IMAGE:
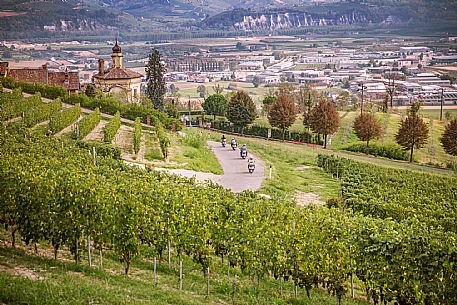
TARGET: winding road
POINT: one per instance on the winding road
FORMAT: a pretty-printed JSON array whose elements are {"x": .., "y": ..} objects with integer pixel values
[{"x": 236, "y": 176}]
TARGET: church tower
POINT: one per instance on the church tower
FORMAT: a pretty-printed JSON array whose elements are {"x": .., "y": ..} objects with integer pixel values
[{"x": 117, "y": 56}]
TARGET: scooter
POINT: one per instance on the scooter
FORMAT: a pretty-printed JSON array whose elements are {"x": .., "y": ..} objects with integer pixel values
[
  {"x": 234, "y": 146},
  {"x": 251, "y": 167},
  {"x": 244, "y": 154},
  {"x": 224, "y": 142}
]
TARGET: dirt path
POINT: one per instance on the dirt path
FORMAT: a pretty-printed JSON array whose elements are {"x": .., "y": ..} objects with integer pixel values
[{"x": 124, "y": 140}]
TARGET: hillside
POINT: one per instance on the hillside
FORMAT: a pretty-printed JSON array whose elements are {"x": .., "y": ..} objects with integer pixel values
[{"x": 73, "y": 18}]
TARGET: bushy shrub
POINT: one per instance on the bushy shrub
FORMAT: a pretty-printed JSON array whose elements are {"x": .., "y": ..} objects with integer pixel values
[
  {"x": 195, "y": 139},
  {"x": 110, "y": 130},
  {"x": 390, "y": 151},
  {"x": 262, "y": 131}
]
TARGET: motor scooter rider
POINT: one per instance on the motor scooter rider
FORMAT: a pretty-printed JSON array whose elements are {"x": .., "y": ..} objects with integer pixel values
[
  {"x": 243, "y": 150},
  {"x": 251, "y": 160},
  {"x": 233, "y": 141},
  {"x": 223, "y": 137}
]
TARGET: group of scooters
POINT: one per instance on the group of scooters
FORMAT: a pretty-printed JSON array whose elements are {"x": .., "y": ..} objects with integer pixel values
[{"x": 243, "y": 152}]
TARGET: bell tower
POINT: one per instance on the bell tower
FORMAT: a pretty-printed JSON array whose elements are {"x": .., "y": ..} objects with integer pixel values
[{"x": 117, "y": 56}]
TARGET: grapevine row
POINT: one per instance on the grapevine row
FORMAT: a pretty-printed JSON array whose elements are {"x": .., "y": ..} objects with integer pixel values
[
  {"x": 56, "y": 193},
  {"x": 111, "y": 128},
  {"x": 87, "y": 124},
  {"x": 60, "y": 120}
]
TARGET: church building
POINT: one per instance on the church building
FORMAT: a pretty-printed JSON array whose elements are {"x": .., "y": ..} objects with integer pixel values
[{"x": 118, "y": 79}]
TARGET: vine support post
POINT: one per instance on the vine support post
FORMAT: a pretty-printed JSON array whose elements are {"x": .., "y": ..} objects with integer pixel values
[
  {"x": 234, "y": 290},
  {"x": 352, "y": 275},
  {"x": 180, "y": 275},
  {"x": 208, "y": 284},
  {"x": 89, "y": 257},
  {"x": 155, "y": 272},
  {"x": 280, "y": 286},
  {"x": 101, "y": 258},
  {"x": 169, "y": 254},
  {"x": 295, "y": 290}
]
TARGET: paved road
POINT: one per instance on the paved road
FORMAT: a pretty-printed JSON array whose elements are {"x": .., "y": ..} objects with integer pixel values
[{"x": 236, "y": 176}]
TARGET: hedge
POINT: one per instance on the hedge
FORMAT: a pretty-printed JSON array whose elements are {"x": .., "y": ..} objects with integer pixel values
[
  {"x": 86, "y": 124},
  {"x": 129, "y": 111},
  {"x": 60, "y": 120},
  {"x": 390, "y": 151},
  {"x": 106, "y": 104},
  {"x": 41, "y": 112},
  {"x": 110, "y": 130},
  {"x": 261, "y": 131},
  {"x": 47, "y": 91},
  {"x": 102, "y": 149}
]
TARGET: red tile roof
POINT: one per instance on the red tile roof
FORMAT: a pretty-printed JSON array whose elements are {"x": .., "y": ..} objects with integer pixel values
[
  {"x": 68, "y": 80},
  {"x": 119, "y": 73}
]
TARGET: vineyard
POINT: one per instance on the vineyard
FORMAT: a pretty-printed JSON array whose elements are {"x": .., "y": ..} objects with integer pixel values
[
  {"x": 392, "y": 232},
  {"x": 54, "y": 192}
]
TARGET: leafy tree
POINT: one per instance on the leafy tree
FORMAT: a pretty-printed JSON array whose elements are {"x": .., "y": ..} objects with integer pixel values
[
  {"x": 324, "y": 119},
  {"x": 90, "y": 90},
  {"x": 218, "y": 89},
  {"x": 267, "y": 102},
  {"x": 282, "y": 113},
  {"x": 7, "y": 54},
  {"x": 413, "y": 133},
  {"x": 256, "y": 81},
  {"x": 241, "y": 110},
  {"x": 156, "y": 87},
  {"x": 201, "y": 89},
  {"x": 215, "y": 105},
  {"x": 367, "y": 127},
  {"x": 342, "y": 101},
  {"x": 171, "y": 109},
  {"x": 449, "y": 139},
  {"x": 173, "y": 89},
  {"x": 392, "y": 87}
]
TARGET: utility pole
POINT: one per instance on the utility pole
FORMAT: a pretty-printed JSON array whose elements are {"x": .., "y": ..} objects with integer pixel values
[
  {"x": 361, "y": 104},
  {"x": 442, "y": 101}
]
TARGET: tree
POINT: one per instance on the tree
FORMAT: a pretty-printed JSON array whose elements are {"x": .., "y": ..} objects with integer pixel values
[
  {"x": 215, "y": 105},
  {"x": 366, "y": 127},
  {"x": 90, "y": 90},
  {"x": 241, "y": 110},
  {"x": 391, "y": 88},
  {"x": 449, "y": 139},
  {"x": 342, "y": 101},
  {"x": 201, "y": 89},
  {"x": 267, "y": 102},
  {"x": 413, "y": 133},
  {"x": 156, "y": 87},
  {"x": 282, "y": 113},
  {"x": 256, "y": 81},
  {"x": 218, "y": 89},
  {"x": 324, "y": 119}
]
